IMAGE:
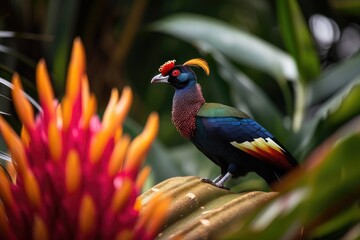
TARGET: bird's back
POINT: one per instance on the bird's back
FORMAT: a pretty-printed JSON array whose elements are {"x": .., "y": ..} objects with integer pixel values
[{"x": 234, "y": 141}]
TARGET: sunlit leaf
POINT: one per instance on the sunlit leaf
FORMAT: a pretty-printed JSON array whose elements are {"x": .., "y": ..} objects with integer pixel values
[
  {"x": 200, "y": 210},
  {"x": 297, "y": 39},
  {"x": 234, "y": 43}
]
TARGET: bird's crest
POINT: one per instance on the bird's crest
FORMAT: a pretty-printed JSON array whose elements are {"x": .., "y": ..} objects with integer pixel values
[
  {"x": 166, "y": 67},
  {"x": 198, "y": 62}
]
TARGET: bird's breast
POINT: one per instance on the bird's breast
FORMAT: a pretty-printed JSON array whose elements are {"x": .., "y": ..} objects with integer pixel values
[{"x": 186, "y": 105}]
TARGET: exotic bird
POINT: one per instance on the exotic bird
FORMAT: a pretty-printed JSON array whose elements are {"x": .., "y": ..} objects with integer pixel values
[{"x": 226, "y": 135}]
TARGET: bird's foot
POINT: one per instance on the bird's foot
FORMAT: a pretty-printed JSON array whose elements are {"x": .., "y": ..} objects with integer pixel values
[{"x": 206, "y": 180}]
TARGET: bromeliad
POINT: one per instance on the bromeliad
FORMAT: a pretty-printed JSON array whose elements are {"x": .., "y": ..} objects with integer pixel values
[{"x": 227, "y": 136}]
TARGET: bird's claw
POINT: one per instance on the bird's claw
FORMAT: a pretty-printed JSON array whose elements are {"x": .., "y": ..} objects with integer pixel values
[{"x": 206, "y": 180}]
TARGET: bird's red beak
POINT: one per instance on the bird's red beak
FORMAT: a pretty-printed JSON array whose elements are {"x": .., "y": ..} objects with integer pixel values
[{"x": 160, "y": 79}]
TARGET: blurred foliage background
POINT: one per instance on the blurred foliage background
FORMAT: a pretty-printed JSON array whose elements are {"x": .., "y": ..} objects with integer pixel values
[{"x": 291, "y": 65}]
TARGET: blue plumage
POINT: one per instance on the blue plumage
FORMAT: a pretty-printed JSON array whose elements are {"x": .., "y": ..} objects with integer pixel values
[{"x": 227, "y": 136}]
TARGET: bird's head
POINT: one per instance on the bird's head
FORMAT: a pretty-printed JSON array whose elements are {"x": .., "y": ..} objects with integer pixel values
[{"x": 180, "y": 76}]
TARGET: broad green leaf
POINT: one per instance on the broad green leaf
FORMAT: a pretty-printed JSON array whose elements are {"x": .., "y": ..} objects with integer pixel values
[
  {"x": 234, "y": 43},
  {"x": 333, "y": 225},
  {"x": 338, "y": 109},
  {"x": 333, "y": 79},
  {"x": 297, "y": 39},
  {"x": 316, "y": 198}
]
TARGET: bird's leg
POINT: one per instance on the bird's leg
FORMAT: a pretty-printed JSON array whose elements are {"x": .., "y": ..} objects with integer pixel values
[
  {"x": 218, "y": 178},
  {"x": 220, "y": 183},
  {"x": 213, "y": 182},
  {"x": 206, "y": 180}
]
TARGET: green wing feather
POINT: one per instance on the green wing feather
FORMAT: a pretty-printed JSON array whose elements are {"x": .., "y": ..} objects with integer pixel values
[{"x": 220, "y": 110}]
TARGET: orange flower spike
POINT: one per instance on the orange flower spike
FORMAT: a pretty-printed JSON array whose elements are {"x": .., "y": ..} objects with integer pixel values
[
  {"x": 148, "y": 212},
  {"x": 109, "y": 110},
  {"x": 4, "y": 224},
  {"x": 87, "y": 215},
  {"x": 118, "y": 133},
  {"x": 76, "y": 70},
  {"x": 5, "y": 193},
  {"x": 55, "y": 140},
  {"x": 66, "y": 109},
  {"x": 46, "y": 94},
  {"x": 89, "y": 109},
  {"x": 15, "y": 146},
  {"x": 12, "y": 171},
  {"x": 141, "y": 144},
  {"x": 59, "y": 115},
  {"x": 158, "y": 216},
  {"x": 121, "y": 109},
  {"x": 22, "y": 105},
  {"x": 153, "y": 216},
  {"x": 141, "y": 178},
  {"x": 38, "y": 159},
  {"x": 125, "y": 234},
  {"x": 39, "y": 229},
  {"x": 85, "y": 89},
  {"x": 98, "y": 144},
  {"x": 123, "y": 106},
  {"x": 25, "y": 138},
  {"x": 121, "y": 195},
  {"x": 32, "y": 189},
  {"x": 72, "y": 172},
  {"x": 118, "y": 155}
]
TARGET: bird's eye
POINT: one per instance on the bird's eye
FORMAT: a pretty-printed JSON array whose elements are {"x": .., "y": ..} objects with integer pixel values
[{"x": 175, "y": 73}]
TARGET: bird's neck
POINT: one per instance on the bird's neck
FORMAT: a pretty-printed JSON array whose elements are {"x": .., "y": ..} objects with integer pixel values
[{"x": 186, "y": 104}]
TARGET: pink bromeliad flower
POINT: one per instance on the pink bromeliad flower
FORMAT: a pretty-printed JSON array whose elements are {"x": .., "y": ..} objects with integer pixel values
[{"x": 78, "y": 177}]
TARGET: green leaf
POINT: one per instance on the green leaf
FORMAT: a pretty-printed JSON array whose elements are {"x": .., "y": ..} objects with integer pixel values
[
  {"x": 297, "y": 39},
  {"x": 337, "y": 110},
  {"x": 234, "y": 43},
  {"x": 333, "y": 79}
]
